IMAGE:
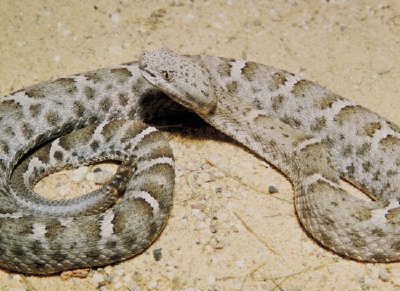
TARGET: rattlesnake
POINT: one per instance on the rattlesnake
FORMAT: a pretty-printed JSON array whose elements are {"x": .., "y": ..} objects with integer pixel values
[{"x": 312, "y": 135}]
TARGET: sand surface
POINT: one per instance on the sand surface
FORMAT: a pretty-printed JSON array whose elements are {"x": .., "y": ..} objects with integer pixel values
[{"x": 226, "y": 232}]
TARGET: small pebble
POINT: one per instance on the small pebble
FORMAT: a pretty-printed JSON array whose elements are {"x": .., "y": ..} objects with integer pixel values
[
  {"x": 213, "y": 228},
  {"x": 216, "y": 244},
  {"x": 115, "y": 18},
  {"x": 157, "y": 254},
  {"x": 272, "y": 190}
]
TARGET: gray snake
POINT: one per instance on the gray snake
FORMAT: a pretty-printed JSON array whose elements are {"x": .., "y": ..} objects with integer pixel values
[{"x": 312, "y": 135}]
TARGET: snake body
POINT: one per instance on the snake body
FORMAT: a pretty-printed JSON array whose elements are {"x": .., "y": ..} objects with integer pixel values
[
  {"x": 312, "y": 135},
  {"x": 81, "y": 119}
]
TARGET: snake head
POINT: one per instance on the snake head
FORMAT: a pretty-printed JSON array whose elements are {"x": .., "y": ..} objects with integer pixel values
[{"x": 183, "y": 78}]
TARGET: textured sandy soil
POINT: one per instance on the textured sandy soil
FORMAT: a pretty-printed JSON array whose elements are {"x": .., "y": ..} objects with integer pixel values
[{"x": 226, "y": 231}]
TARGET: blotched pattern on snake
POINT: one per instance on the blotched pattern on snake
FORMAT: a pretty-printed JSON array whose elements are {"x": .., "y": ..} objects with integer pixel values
[{"x": 312, "y": 135}]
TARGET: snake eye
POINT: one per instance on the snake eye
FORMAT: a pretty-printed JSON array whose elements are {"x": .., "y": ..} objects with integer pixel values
[{"x": 167, "y": 75}]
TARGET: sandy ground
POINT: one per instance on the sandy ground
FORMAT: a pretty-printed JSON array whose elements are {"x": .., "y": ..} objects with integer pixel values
[{"x": 226, "y": 232}]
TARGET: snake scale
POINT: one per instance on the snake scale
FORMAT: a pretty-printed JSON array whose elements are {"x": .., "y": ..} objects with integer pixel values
[{"x": 312, "y": 135}]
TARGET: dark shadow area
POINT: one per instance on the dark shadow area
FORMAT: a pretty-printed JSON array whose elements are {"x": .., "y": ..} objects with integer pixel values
[{"x": 160, "y": 111}]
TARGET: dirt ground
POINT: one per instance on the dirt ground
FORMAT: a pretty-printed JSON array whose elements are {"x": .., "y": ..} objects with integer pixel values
[{"x": 226, "y": 232}]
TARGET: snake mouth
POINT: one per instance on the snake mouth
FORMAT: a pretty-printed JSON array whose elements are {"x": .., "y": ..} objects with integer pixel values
[{"x": 147, "y": 74}]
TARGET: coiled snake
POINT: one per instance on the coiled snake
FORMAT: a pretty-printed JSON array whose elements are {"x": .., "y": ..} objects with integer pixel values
[{"x": 312, "y": 135}]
